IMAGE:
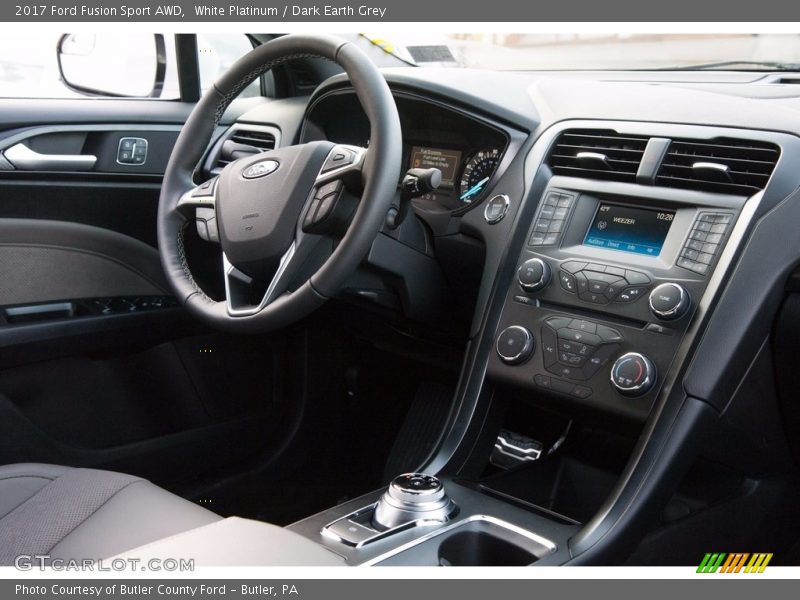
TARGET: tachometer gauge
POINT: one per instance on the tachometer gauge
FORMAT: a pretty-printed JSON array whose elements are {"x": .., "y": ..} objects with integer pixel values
[{"x": 477, "y": 172}]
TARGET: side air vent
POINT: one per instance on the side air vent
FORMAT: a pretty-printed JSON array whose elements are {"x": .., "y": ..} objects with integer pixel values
[
  {"x": 597, "y": 154},
  {"x": 720, "y": 165},
  {"x": 241, "y": 142}
]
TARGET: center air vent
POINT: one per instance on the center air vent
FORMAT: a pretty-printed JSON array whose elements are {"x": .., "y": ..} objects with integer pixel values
[
  {"x": 719, "y": 165},
  {"x": 597, "y": 154},
  {"x": 241, "y": 141}
]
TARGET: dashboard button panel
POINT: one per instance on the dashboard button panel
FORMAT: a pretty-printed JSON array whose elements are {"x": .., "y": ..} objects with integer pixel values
[
  {"x": 600, "y": 284},
  {"x": 551, "y": 220},
  {"x": 705, "y": 239},
  {"x": 592, "y": 313},
  {"x": 577, "y": 348}
]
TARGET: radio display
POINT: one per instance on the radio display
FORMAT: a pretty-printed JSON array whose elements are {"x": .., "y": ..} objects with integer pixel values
[
  {"x": 628, "y": 229},
  {"x": 447, "y": 161}
]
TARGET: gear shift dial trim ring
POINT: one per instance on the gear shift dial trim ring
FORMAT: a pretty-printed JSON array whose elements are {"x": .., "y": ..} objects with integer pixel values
[
  {"x": 422, "y": 502},
  {"x": 413, "y": 497}
]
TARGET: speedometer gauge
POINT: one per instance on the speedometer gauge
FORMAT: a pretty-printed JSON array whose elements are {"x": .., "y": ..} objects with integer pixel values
[{"x": 477, "y": 172}]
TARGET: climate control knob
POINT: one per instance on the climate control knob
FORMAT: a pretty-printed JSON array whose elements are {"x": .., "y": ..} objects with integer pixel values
[
  {"x": 669, "y": 301},
  {"x": 515, "y": 345},
  {"x": 533, "y": 275},
  {"x": 633, "y": 374}
]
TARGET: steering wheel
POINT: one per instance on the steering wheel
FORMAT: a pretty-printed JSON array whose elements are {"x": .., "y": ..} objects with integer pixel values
[{"x": 289, "y": 221}]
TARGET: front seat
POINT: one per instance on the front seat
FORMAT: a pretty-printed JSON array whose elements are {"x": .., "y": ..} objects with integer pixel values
[{"x": 69, "y": 513}]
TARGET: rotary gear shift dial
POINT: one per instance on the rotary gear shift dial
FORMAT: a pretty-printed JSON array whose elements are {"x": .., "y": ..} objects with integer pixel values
[{"x": 413, "y": 497}]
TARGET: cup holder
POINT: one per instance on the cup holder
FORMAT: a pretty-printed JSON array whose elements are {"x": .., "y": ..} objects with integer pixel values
[
  {"x": 482, "y": 549},
  {"x": 477, "y": 541}
]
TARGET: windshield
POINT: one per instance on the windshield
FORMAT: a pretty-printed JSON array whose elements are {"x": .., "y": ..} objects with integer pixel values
[{"x": 522, "y": 51}]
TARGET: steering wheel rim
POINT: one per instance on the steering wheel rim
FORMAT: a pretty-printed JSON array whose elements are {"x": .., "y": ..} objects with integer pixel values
[{"x": 380, "y": 171}]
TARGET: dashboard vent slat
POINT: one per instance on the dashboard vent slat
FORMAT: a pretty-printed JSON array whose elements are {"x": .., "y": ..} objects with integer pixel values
[
  {"x": 240, "y": 142},
  {"x": 618, "y": 160},
  {"x": 747, "y": 165}
]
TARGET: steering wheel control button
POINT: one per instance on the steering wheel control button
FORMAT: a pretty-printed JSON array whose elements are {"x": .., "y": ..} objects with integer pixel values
[
  {"x": 496, "y": 209},
  {"x": 311, "y": 214},
  {"x": 262, "y": 168},
  {"x": 202, "y": 229},
  {"x": 533, "y": 275},
  {"x": 633, "y": 374},
  {"x": 515, "y": 345},
  {"x": 132, "y": 151},
  {"x": 323, "y": 204},
  {"x": 669, "y": 301},
  {"x": 338, "y": 158},
  {"x": 328, "y": 189},
  {"x": 206, "y": 222},
  {"x": 325, "y": 207},
  {"x": 206, "y": 188}
]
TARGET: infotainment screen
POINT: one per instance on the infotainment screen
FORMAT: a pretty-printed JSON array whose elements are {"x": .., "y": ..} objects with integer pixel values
[
  {"x": 447, "y": 161},
  {"x": 629, "y": 229}
]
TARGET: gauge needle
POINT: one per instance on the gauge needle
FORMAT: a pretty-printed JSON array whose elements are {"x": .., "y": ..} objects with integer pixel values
[{"x": 474, "y": 188}]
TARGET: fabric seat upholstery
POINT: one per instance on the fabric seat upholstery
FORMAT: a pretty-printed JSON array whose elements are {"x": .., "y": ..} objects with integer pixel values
[{"x": 74, "y": 513}]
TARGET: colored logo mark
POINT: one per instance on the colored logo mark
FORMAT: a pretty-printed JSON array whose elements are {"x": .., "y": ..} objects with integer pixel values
[{"x": 738, "y": 562}]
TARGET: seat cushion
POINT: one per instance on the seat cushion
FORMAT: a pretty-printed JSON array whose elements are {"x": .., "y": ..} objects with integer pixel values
[
  {"x": 80, "y": 514},
  {"x": 240, "y": 543}
]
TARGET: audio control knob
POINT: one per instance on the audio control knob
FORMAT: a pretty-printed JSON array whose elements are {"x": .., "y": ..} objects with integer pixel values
[
  {"x": 669, "y": 301},
  {"x": 633, "y": 374},
  {"x": 515, "y": 345},
  {"x": 533, "y": 275}
]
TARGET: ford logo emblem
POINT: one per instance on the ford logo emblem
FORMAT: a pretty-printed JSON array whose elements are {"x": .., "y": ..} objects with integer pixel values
[{"x": 260, "y": 169}]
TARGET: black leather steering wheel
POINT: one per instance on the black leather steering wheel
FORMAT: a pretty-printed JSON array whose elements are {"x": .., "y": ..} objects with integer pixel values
[{"x": 274, "y": 213}]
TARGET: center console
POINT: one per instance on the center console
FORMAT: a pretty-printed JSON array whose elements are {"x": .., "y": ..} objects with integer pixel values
[
  {"x": 606, "y": 287},
  {"x": 603, "y": 291},
  {"x": 423, "y": 520}
]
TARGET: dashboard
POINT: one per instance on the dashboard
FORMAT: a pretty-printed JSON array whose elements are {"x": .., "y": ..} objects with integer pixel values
[
  {"x": 630, "y": 200},
  {"x": 467, "y": 150},
  {"x": 632, "y": 284}
]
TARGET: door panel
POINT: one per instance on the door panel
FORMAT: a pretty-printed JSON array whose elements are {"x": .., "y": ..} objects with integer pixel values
[
  {"x": 48, "y": 260},
  {"x": 98, "y": 365}
]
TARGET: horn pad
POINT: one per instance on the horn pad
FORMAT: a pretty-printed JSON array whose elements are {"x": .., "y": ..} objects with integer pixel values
[{"x": 259, "y": 200}]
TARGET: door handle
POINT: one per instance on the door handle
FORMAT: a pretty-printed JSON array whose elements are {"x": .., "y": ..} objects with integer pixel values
[{"x": 25, "y": 159}]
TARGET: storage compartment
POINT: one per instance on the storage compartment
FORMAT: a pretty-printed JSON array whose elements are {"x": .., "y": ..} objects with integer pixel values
[
  {"x": 561, "y": 485},
  {"x": 477, "y": 542},
  {"x": 87, "y": 307},
  {"x": 482, "y": 549},
  {"x": 574, "y": 470},
  {"x": 40, "y": 312}
]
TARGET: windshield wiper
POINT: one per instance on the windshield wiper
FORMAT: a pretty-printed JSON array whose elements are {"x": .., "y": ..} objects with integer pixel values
[{"x": 750, "y": 65}]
